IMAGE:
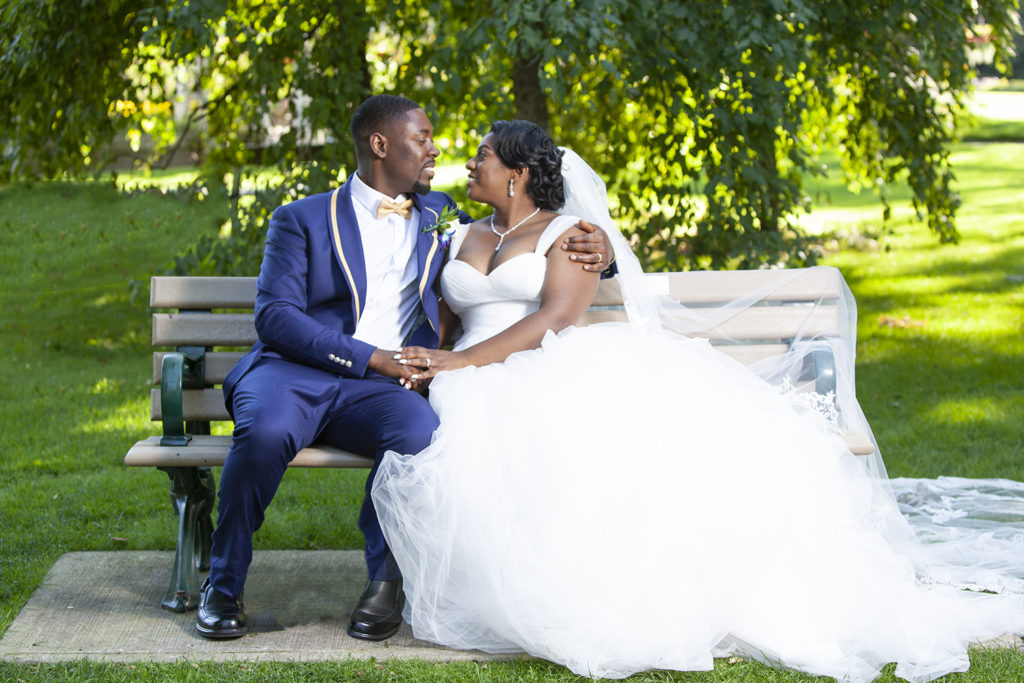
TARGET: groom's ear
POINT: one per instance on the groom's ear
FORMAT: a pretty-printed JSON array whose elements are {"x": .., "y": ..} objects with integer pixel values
[{"x": 378, "y": 145}]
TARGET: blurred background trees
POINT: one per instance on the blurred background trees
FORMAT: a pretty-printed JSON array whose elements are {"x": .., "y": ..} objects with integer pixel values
[{"x": 705, "y": 118}]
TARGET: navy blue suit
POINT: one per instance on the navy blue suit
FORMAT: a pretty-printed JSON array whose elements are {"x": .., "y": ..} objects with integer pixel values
[{"x": 307, "y": 378}]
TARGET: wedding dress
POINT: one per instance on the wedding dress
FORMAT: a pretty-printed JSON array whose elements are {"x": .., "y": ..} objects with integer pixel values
[{"x": 623, "y": 499}]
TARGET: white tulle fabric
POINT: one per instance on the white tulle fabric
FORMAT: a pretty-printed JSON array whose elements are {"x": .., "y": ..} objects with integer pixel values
[{"x": 623, "y": 498}]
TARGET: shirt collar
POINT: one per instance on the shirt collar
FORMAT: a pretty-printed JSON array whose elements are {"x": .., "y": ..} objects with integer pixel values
[{"x": 369, "y": 197}]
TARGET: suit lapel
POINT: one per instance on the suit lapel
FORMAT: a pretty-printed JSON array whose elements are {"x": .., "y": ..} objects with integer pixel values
[
  {"x": 428, "y": 252},
  {"x": 348, "y": 246}
]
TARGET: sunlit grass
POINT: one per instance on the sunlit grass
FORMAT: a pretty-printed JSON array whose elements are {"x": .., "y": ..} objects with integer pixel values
[{"x": 941, "y": 330}]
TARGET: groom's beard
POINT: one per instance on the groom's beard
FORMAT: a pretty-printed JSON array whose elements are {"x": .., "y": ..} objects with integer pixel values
[{"x": 420, "y": 188}]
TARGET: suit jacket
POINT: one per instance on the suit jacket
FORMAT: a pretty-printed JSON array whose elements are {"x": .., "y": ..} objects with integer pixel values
[{"x": 312, "y": 285}]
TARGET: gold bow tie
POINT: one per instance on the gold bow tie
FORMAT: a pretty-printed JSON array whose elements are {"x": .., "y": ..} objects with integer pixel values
[{"x": 386, "y": 206}]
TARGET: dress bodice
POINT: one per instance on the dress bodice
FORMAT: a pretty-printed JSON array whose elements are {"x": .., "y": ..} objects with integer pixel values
[{"x": 490, "y": 303}]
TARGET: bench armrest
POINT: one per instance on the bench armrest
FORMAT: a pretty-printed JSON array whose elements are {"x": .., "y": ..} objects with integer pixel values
[
  {"x": 824, "y": 371},
  {"x": 179, "y": 370}
]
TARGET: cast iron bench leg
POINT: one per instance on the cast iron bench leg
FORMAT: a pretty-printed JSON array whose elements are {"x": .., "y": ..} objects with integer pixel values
[
  {"x": 204, "y": 537},
  {"x": 191, "y": 497}
]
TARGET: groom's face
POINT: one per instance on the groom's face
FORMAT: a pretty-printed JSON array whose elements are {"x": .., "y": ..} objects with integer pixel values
[{"x": 411, "y": 152}]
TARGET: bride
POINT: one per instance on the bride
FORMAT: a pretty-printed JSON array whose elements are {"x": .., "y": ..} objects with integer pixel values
[{"x": 619, "y": 498}]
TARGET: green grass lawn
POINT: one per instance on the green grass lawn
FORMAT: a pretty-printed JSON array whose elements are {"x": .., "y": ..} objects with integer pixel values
[
  {"x": 940, "y": 357},
  {"x": 941, "y": 349}
]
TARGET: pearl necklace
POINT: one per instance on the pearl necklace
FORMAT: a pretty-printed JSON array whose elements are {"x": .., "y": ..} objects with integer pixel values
[{"x": 502, "y": 235}]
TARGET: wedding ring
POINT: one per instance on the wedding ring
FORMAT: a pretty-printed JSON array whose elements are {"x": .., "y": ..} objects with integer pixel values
[
  {"x": 600, "y": 258},
  {"x": 428, "y": 362}
]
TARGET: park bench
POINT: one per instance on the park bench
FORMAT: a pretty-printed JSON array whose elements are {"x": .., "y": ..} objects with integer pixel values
[{"x": 203, "y": 325}]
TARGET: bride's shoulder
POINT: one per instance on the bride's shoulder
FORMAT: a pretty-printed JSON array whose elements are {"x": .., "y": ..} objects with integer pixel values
[{"x": 561, "y": 224}]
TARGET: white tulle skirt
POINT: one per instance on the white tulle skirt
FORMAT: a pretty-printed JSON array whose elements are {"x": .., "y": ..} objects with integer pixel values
[{"x": 617, "y": 501}]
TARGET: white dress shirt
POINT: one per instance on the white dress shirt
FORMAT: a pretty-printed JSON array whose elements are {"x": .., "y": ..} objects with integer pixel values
[{"x": 389, "y": 248}]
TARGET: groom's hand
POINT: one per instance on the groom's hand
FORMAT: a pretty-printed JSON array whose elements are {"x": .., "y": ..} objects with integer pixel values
[
  {"x": 591, "y": 249},
  {"x": 426, "y": 363},
  {"x": 386, "y": 363}
]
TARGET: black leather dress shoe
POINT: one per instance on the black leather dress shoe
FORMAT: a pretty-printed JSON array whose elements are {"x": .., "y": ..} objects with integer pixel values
[
  {"x": 378, "y": 614},
  {"x": 219, "y": 616}
]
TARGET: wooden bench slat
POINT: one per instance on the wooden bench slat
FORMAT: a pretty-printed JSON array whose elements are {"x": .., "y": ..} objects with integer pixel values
[
  {"x": 202, "y": 292},
  {"x": 692, "y": 288},
  {"x": 858, "y": 442},
  {"x": 778, "y": 322},
  {"x": 601, "y": 316},
  {"x": 754, "y": 323},
  {"x": 715, "y": 287},
  {"x": 196, "y": 404},
  {"x": 748, "y": 354},
  {"x": 210, "y": 451},
  {"x": 699, "y": 287},
  {"x": 217, "y": 365},
  {"x": 203, "y": 329}
]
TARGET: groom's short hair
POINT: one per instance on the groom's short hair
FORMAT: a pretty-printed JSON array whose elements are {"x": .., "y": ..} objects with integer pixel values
[{"x": 378, "y": 112}]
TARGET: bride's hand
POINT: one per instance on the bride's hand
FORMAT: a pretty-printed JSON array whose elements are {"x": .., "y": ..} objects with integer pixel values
[
  {"x": 591, "y": 249},
  {"x": 426, "y": 363}
]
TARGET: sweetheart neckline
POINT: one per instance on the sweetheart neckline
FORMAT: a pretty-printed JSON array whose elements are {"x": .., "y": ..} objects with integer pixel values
[{"x": 499, "y": 266}]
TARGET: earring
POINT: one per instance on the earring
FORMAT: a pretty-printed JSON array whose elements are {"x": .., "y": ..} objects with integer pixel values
[{"x": 511, "y": 187}]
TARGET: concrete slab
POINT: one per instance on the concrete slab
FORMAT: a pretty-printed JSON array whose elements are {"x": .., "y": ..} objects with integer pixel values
[{"x": 105, "y": 606}]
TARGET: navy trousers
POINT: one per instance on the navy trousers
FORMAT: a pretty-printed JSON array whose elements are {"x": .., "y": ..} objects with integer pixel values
[{"x": 280, "y": 407}]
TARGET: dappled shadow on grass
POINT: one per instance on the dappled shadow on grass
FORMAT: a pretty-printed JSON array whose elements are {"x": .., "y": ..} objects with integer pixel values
[
  {"x": 943, "y": 408},
  {"x": 941, "y": 353},
  {"x": 985, "y": 272}
]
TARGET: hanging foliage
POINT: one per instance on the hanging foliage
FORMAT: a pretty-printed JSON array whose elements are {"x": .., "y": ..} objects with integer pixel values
[{"x": 706, "y": 118}]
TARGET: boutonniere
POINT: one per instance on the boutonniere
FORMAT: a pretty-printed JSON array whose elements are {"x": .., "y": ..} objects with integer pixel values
[{"x": 445, "y": 226}]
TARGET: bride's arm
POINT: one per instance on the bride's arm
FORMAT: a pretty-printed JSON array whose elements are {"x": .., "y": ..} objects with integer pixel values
[{"x": 566, "y": 293}]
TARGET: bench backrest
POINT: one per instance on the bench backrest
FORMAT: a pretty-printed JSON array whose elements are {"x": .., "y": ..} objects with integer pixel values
[{"x": 216, "y": 313}]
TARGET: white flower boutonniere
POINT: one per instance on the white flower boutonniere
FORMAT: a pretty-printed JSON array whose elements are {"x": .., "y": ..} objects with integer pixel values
[{"x": 445, "y": 226}]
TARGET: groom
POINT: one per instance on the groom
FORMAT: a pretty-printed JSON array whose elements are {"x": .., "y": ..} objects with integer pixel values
[{"x": 348, "y": 277}]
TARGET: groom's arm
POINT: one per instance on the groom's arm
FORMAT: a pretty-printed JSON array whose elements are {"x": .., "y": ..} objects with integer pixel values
[{"x": 282, "y": 322}]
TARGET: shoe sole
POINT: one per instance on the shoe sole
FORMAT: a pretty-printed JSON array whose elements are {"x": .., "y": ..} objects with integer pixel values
[
  {"x": 220, "y": 635},
  {"x": 361, "y": 635}
]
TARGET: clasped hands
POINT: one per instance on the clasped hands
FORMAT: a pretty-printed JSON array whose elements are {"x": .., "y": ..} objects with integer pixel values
[
  {"x": 415, "y": 366},
  {"x": 423, "y": 364}
]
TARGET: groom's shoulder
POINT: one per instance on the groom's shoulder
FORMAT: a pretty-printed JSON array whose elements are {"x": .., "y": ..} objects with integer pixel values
[
  {"x": 311, "y": 201},
  {"x": 310, "y": 205}
]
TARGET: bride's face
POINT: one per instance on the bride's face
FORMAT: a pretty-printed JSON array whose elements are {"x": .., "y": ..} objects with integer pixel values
[{"x": 488, "y": 176}]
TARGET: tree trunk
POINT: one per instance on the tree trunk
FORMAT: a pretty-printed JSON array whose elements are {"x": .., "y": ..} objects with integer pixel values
[{"x": 527, "y": 92}]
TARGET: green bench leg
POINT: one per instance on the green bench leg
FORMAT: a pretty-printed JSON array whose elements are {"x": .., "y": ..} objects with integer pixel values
[
  {"x": 205, "y": 532},
  {"x": 192, "y": 497}
]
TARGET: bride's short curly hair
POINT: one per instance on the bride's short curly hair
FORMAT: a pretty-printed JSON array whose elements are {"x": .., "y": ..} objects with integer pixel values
[{"x": 521, "y": 144}]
